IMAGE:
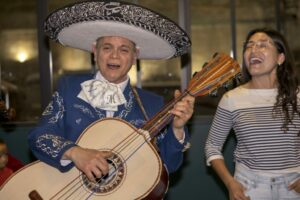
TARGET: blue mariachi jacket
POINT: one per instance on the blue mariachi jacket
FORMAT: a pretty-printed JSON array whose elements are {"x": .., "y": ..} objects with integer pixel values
[{"x": 66, "y": 117}]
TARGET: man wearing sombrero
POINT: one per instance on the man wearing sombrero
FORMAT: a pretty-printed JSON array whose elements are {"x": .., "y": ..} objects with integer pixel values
[{"x": 117, "y": 33}]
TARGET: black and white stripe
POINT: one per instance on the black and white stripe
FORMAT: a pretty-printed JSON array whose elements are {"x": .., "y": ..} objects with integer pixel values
[{"x": 261, "y": 143}]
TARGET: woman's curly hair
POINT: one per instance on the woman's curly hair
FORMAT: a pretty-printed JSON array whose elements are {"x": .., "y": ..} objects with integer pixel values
[{"x": 288, "y": 84}]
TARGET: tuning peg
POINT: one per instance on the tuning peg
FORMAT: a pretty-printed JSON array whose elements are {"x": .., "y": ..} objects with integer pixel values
[
  {"x": 213, "y": 93},
  {"x": 206, "y": 66},
  {"x": 215, "y": 54},
  {"x": 227, "y": 84},
  {"x": 232, "y": 82},
  {"x": 238, "y": 78}
]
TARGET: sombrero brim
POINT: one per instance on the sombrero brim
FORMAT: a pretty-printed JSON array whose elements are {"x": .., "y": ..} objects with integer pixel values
[{"x": 80, "y": 25}]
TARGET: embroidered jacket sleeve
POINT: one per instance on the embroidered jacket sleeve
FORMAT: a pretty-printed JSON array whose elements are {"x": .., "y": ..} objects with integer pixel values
[
  {"x": 221, "y": 126},
  {"x": 47, "y": 140},
  {"x": 171, "y": 150}
]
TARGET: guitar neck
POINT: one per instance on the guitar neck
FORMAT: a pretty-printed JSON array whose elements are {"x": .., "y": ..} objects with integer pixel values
[
  {"x": 214, "y": 74},
  {"x": 162, "y": 118}
]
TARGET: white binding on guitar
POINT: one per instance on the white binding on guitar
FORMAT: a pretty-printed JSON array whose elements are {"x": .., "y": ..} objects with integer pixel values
[{"x": 136, "y": 170}]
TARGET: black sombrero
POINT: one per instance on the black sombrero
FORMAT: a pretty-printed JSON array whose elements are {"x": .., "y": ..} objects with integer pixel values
[{"x": 79, "y": 25}]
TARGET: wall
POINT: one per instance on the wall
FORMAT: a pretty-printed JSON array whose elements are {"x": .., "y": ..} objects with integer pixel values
[{"x": 195, "y": 180}]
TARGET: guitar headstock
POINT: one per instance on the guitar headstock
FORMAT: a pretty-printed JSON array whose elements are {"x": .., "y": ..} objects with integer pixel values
[{"x": 220, "y": 69}]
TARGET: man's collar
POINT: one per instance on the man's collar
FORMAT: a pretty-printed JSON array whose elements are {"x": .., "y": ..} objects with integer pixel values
[{"x": 122, "y": 85}]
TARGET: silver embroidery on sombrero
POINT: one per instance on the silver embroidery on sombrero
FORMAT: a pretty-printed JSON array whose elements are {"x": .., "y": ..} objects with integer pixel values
[
  {"x": 120, "y": 12},
  {"x": 51, "y": 144}
]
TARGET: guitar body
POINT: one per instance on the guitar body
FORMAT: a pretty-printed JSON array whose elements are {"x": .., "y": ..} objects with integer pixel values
[{"x": 141, "y": 176}]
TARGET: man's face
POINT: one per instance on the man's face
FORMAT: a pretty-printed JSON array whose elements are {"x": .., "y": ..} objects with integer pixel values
[{"x": 114, "y": 57}]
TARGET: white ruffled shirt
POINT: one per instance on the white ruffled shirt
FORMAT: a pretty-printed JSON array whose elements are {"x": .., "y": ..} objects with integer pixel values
[
  {"x": 109, "y": 113},
  {"x": 102, "y": 94}
]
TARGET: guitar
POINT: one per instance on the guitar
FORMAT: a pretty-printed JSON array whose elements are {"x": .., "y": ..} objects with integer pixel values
[{"x": 136, "y": 170}]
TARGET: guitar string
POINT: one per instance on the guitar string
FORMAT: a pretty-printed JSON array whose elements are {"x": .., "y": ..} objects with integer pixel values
[
  {"x": 118, "y": 148},
  {"x": 62, "y": 190},
  {"x": 144, "y": 141},
  {"x": 123, "y": 144}
]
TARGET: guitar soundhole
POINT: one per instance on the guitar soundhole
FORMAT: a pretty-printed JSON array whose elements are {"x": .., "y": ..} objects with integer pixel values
[{"x": 109, "y": 182}]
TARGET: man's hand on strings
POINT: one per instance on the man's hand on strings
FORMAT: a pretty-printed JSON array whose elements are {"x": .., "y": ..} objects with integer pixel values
[{"x": 90, "y": 161}]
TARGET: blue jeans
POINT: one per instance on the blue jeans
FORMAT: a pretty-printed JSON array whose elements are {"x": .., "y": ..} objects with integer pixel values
[{"x": 267, "y": 188}]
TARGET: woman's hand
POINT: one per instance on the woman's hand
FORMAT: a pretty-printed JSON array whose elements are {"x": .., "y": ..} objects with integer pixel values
[
  {"x": 295, "y": 186},
  {"x": 236, "y": 191}
]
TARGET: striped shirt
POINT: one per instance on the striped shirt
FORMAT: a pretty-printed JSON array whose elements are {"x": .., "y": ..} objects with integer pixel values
[{"x": 261, "y": 144}]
